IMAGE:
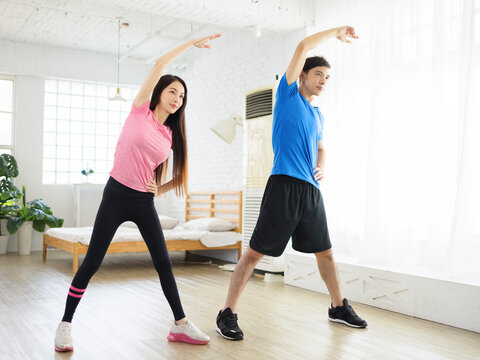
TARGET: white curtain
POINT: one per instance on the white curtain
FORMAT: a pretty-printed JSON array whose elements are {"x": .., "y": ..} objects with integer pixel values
[{"x": 402, "y": 133}]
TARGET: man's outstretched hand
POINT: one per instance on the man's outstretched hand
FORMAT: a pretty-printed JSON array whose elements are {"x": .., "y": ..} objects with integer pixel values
[{"x": 345, "y": 33}]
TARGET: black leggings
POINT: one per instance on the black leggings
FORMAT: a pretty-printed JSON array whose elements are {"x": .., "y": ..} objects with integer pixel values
[{"x": 119, "y": 204}]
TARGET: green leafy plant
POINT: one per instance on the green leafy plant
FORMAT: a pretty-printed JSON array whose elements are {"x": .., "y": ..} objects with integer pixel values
[
  {"x": 8, "y": 191},
  {"x": 36, "y": 211},
  {"x": 87, "y": 172}
]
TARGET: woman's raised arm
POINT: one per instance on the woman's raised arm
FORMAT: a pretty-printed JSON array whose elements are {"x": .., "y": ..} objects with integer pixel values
[{"x": 156, "y": 72}]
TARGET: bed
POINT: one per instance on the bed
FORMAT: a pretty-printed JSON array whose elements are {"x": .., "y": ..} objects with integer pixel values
[{"x": 226, "y": 205}]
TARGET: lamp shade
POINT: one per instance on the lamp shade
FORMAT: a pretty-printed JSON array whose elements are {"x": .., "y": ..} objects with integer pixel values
[
  {"x": 117, "y": 96},
  {"x": 225, "y": 129}
]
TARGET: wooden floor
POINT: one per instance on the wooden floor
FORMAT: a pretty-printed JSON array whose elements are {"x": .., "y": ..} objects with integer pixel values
[{"x": 124, "y": 315}]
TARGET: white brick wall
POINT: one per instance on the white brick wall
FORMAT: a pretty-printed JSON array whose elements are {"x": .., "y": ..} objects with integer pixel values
[
  {"x": 217, "y": 83},
  {"x": 32, "y": 64}
]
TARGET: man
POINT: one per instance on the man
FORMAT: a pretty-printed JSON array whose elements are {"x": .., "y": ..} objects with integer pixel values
[{"x": 292, "y": 205}]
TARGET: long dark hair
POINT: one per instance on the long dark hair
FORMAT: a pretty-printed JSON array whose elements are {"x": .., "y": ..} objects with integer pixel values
[{"x": 176, "y": 122}]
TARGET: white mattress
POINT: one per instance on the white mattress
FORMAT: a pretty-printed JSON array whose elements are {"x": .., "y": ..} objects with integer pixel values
[{"x": 207, "y": 238}]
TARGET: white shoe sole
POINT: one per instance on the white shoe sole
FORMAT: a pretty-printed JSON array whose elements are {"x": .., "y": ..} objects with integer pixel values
[
  {"x": 226, "y": 337},
  {"x": 346, "y": 323}
]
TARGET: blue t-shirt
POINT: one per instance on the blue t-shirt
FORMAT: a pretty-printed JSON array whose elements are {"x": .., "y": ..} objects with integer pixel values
[{"x": 297, "y": 128}]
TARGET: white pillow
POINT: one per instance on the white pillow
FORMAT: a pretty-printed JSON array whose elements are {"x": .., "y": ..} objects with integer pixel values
[
  {"x": 167, "y": 222},
  {"x": 129, "y": 224},
  {"x": 209, "y": 224}
]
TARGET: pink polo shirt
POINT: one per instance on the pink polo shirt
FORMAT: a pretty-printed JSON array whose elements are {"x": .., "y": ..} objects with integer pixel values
[{"x": 143, "y": 144}]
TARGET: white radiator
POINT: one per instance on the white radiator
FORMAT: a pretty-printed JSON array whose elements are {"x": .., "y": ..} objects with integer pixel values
[{"x": 86, "y": 200}]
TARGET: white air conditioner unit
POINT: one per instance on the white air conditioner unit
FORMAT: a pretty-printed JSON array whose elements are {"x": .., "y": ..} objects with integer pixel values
[{"x": 258, "y": 162}]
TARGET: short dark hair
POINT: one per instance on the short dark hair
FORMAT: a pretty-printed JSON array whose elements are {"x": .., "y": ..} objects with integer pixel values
[{"x": 314, "y": 61}]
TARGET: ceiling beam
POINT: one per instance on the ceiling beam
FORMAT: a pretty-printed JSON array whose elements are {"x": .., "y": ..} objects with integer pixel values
[
  {"x": 180, "y": 41},
  {"x": 145, "y": 40}
]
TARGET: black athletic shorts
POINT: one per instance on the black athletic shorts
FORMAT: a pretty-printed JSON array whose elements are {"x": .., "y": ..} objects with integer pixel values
[{"x": 290, "y": 208}]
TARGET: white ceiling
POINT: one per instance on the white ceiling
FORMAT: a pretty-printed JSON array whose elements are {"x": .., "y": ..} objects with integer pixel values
[{"x": 153, "y": 25}]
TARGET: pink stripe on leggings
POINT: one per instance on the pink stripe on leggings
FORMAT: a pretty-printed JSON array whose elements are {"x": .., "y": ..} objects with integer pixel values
[
  {"x": 79, "y": 290},
  {"x": 74, "y": 295}
]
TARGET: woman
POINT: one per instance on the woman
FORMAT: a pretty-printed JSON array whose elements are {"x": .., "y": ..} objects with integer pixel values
[{"x": 151, "y": 130}]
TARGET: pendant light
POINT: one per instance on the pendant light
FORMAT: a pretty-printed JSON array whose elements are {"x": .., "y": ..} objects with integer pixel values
[{"x": 117, "y": 96}]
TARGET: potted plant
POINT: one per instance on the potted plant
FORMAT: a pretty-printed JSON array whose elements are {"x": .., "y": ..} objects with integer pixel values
[
  {"x": 36, "y": 214},
  {"x": 8, "y": 194},
  {"x": 86, "y": 172}
]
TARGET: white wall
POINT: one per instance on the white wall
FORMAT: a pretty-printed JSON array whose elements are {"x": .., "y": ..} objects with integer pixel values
[
  {"x": 32, "y": 64},
  {"x": 217, "y": 82},
  {"x": 46, "y": 61}
]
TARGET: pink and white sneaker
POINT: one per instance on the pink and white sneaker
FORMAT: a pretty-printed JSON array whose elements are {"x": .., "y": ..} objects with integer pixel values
[
  {"x": 63, "y": 339},
  {"x": 187, "y": 333}
]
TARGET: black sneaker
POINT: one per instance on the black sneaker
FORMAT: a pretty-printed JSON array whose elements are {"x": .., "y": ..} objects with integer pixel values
[
  {"x": 346, "y": 315},
  {"x": 227, "y": 325}
]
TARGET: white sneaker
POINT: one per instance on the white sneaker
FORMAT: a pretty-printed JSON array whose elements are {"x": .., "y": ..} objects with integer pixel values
[
  {"x": 187, "y": 333},
  {"x": 63, "y": 339}
]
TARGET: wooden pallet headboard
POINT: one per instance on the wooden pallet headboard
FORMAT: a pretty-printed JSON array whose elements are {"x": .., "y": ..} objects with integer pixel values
[{"x": 222, "y": 204}]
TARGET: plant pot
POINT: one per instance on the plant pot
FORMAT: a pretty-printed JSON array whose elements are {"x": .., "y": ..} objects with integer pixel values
[
  {"x": 24, "y": 238},
  {"x": 3, "y": 244},
  {"x": 3, "y": 236},
  {"x": 3, "y": 227}
]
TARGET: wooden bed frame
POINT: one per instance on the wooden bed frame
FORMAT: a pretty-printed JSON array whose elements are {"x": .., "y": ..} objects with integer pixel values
[{"x": 198, "y": 204}]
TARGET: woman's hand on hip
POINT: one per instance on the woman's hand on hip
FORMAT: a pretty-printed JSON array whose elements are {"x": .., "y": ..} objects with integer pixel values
[{"x": 152, "y": 187}]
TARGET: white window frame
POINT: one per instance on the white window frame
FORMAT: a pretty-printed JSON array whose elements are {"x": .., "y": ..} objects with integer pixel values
[
  {"x": 12, "y": 135},
  {"x": 54, "y": 152}
]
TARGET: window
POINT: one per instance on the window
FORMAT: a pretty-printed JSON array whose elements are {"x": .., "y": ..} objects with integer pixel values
[
  {"x": 404, "y": 176},
  {"x": 81, "y": 129},
  {"x": 6, "y": 114}
]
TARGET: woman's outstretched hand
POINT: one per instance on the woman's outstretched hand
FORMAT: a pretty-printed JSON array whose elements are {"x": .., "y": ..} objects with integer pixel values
[
  {"x": 346, "y": 32},
  {"x": 203, "y": 41}
]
